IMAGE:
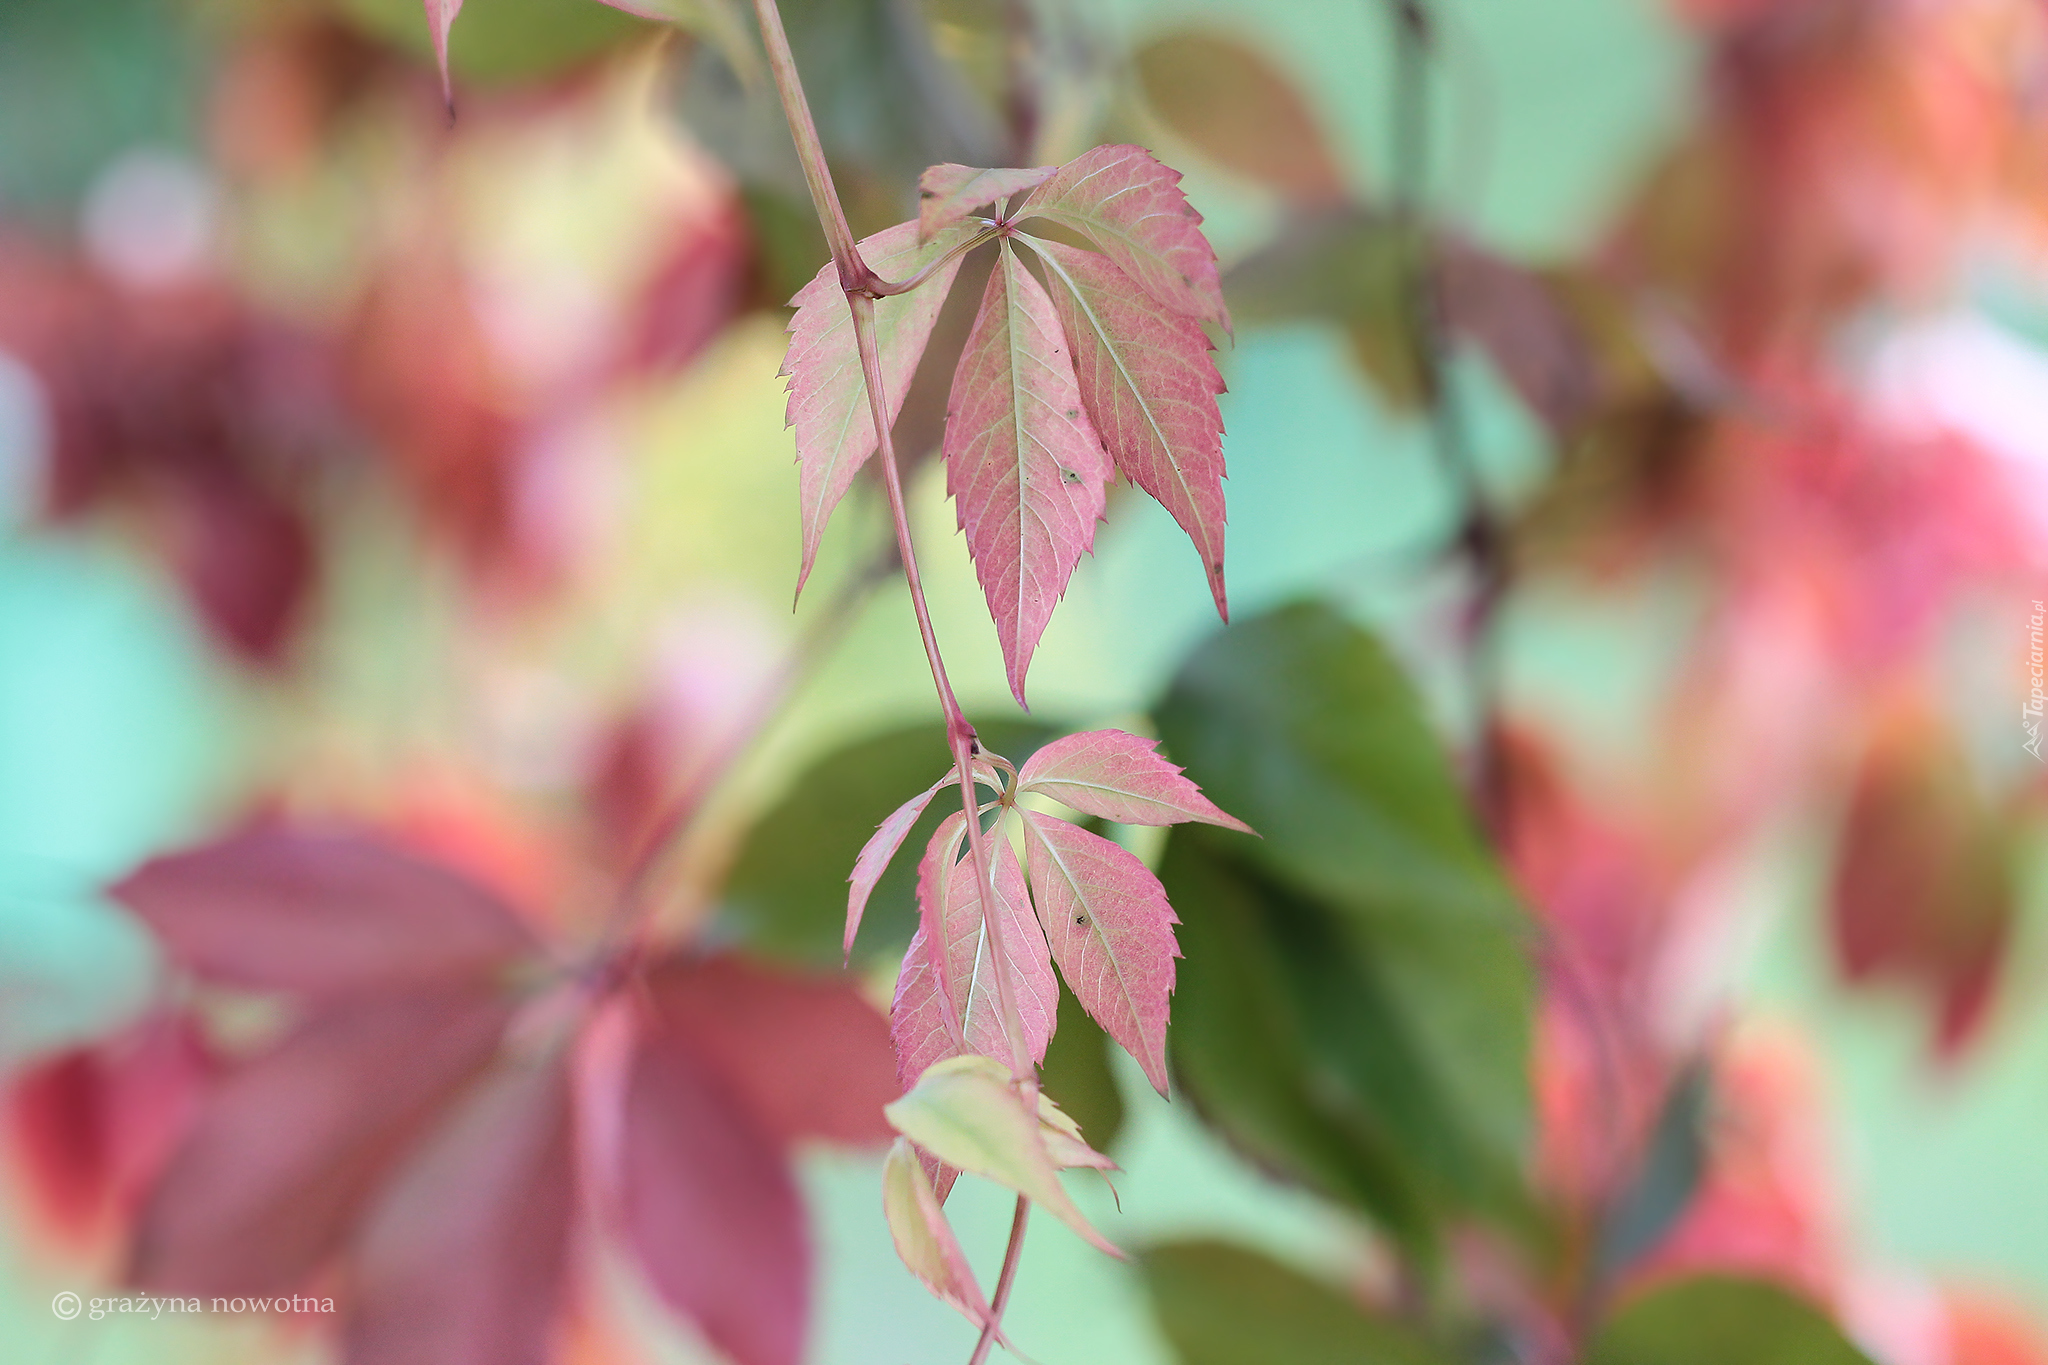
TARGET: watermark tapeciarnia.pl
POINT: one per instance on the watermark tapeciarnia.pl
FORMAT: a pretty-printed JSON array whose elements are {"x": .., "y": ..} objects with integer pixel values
[{"x": 2030, "y": 714}]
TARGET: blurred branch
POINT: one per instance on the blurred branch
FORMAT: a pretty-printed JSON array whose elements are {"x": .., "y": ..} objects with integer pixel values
[
  {"x": 822, "y": 633},
  {"x": 1480, "y": 537}
]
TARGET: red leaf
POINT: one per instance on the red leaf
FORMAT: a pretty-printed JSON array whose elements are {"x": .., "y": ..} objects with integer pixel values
[
  {"x": 1119, "y": 777},
  {"x": 946, "y": 194},
  {"x": 321, "y": 913},
  {"x": 1126, "y": 202},
  {"x": 709, "y": 1206},
  {"x": 806, "y": 1054},
  {"x": 1111, "y": 931},
  {"x": 94, "y": 1126},
  {"x": 1023, "y": 461},
  {"x": 1514, "y": 316},
  {"x": 1923, "y": 890},
  {"x": 287, "y": 1149},
  {"x": 828, "y": 404},
  {"x": 951, "y": 908},
  {"x": 879, "y": 852},
  {"x": 1150, "y": 386},
  {"x": 461, "y": 1262}
]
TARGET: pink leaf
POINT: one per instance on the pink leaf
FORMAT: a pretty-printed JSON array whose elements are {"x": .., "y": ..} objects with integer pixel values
[
  {"x": 283, "y": 1155},
  {"x": 924, "y": 1019},
  {"x": 709, "y": 1206},
  {"x": 440, "y": 18},
  {"x": 946, "y": 194},
  {"x": 1111, "y": 931},
  {"x": 806, "y": 1054},
  {"x": 462, "y": 1260},
  {"x": 1126, "y": 202},
  {"x": 1119, "y": 777},
  {"x": 828, "y": 404},
  {"x": 879, "y": 852},
  {"x": 1023, "y": 461},
  {"x": 321, "y": 913},
  {"x": 1148, "y": 381}
]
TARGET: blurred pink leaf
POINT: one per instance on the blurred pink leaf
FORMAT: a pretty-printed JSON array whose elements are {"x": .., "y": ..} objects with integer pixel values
[
  {"x": 828, "y": 405},
  {"x": 709, "y": 1206},
  {"x": 324, "y": 914},
  {"x": 925, "y": 1019},
  {"x": 1514, "y": 316},
  {"x": 285, "y": 1152},
  {"x": 1150, "y": 386},
  {"x": 804, "y": 1052},
  {"x": 946, "y": 194},
  {"x": 461, "y": 1261},
  {"x": 1119, "y": 777},
  {"x": 1125, "y": 201},
  {"x": 1111, "y": 931},
  {"x": 1023, "y": 461}
]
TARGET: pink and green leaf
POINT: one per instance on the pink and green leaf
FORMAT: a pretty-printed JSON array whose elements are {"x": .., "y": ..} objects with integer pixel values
[
  {"x": 1024, "y": 462},
  {"x": 1150, "y": 385},
  {"x": 1129, "y": 204},
  {"x": 947, "y": 194},
  {"x": 966, "y": 1112},
  {"x": 923, "y": 1237},
  {"x": 1111, "y": 931},
  {"x": 1120, "y": 777},
  {"x": 828, "y": 405}
]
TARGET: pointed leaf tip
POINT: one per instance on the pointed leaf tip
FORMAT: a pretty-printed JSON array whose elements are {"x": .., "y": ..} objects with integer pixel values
[
  {"x": 924, "y": 1239},
  {"x": 1120, "y": 776},
  {"x": 440, "y": 18},
  {"x": 877, "y": 854}
]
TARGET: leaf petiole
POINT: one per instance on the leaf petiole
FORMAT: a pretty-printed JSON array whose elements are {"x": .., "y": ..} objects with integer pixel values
[{"x": 882, "y": 289}]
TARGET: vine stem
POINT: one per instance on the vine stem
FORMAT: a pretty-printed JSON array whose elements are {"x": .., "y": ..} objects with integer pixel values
[
  {"x": 861, "y": 285},
  {"x": 1012, "y": 1255}
]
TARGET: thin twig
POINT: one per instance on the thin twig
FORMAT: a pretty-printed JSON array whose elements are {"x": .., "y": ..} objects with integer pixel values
[{"x": 1012, "y": 1255}]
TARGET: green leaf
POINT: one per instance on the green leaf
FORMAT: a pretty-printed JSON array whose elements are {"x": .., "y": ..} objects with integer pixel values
[
  {"x": 1300, "y": 724},
  {"x": 1254, "y": 1038},
  {"x": 1226, "y": 1305},
  {"x": 1356, "y": 1000},
  {"x": 1669, "y": 1176},
  {"x": 966, "y": 1112},
  {"x": 786, "y": 896},
  {"x": 1721, "y": 1320},
  {"x": 1076, "y": 1074}
]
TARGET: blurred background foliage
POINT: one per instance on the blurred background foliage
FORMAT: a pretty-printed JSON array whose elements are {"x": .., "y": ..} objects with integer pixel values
[{"x": 1642, "y": 962}]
